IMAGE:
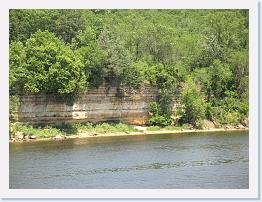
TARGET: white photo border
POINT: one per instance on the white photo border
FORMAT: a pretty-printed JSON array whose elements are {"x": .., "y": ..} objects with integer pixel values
[{"x": 252, "y": 192}]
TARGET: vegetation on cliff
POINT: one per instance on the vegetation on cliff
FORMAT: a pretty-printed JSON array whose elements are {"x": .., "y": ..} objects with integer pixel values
[{"x": 198, "y": 58}]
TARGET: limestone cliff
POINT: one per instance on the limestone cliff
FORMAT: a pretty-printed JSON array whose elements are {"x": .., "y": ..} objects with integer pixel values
[{"x": 95, "y": 105}]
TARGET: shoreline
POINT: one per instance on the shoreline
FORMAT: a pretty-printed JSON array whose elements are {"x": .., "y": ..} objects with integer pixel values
[{"x": 116, "y": 134}]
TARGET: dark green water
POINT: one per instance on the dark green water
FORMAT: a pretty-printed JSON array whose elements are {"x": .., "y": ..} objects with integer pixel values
[{"x": 202, "y": 160}]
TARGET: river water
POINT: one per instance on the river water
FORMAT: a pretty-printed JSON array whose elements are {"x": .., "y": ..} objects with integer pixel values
[{"x": 201, "y": 160}]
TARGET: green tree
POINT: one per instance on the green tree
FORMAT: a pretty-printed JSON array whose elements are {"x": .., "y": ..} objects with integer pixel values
[
  {"x": 93, "y": 57},
  {"x": 65, "y": 24},
  {"x": 193, "y": 102},
  {"x": 50, "y": 66},
  {"x": 133, "y": 75},
  {"x": 221, "y": 77},
  {"x": 118, "y": 58},
  {"x": 24, "y": 22},
  {"x": 17, "y": 59},
  {"x": 68, "y": 24}
]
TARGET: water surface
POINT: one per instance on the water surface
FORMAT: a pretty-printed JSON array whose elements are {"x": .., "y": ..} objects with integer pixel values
[{"x": 201, "y": 160}]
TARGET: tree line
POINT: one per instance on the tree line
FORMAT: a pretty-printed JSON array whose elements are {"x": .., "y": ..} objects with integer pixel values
[{"x": 198, "y": 58}]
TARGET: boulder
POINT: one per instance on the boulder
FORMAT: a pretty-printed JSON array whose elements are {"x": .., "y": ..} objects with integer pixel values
[
  {"x": 32, "y": 137},
  {"x": 59, "y": 137},
  {"x": 94, "y": 134},
  {"x": 240, "y": 126},
  {"x": 19, "y": 135},
  {"x": 228, "y": 127}
]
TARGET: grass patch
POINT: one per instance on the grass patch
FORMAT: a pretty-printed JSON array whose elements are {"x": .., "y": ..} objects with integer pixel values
[
  {"x": 39, "y": 131},
  {"x": 173, "y": 128},
  {"x": 104, "y": 128},
  {"x": 47, "y": 131}
]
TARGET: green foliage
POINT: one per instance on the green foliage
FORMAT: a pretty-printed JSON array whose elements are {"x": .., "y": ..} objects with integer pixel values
[
  {"x": 68, "y": 24},
  {"x": 220, "y": 76},
  {"x": 133, "y": 75},
  {"x": 13, "y": 107},
  {"x": 49, "y": 67},
  {"x": 39, "y": 131},
  {"x": 47, "y": 131},
  {"x": 118, "y": 59},
  {"x": 154, "y": 108},
  {"x": 153, "y": 128},
  {"x": 193, "y": 102},
  {"x": 103, "y": 128},
  {"x": 17, "y": 59},
  {"x": 238, "y": 61},
  {"x": 173, "y": 128},
  {"x": 92, "y": 56},
  {"x": 230, "y": 110},
  {"x": 159, "y": 120},
  {"x": 165, "y": 80},
  {"x": 98, "y": 128},
  {"x": 65, "y": 24}
]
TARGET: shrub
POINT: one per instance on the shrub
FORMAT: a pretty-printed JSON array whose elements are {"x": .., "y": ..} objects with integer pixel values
[
  {"x": 193, "y": 102},
  {"x": 187, "y": 126},
  {"x": 82, "y": 127},
  {"x": 39, "y": 131},
  {"x": 154, "y": 108},
  {"x": 111, "y": 128},
  {"x": 232, "y": 118},
  {"x": 120, "y": 127},
  {"x": 159, "y": 120}
]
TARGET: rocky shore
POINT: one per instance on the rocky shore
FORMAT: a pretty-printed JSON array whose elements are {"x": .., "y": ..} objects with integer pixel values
[{"x": 21, "y": 137}]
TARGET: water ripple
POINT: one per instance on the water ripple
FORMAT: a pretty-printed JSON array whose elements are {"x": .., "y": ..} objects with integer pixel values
[{"x": 151, "y": 166}]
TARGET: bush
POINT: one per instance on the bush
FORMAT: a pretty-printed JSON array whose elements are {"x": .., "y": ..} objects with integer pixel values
[
  {"x": 205, "y": 124},
  {"x": 111, "y": 128},
  {"x": 120, "y": 127},
  {"x": 229, "y": 110},
  {"x": 154, "y": 108},
  {"x": 232, "y": 118},
  {"x": 159, "y": 120},
  {"x": 39, "y": 131},
  {"x": 192, "y": 100},
  {"x": 82, "y": 127},
  {"x": 187, "y": 126}
]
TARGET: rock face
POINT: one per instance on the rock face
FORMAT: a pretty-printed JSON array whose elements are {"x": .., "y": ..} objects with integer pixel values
[{"x": 95, "y": 105}]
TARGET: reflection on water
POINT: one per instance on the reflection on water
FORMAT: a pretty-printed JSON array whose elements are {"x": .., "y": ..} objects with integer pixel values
[{"x": 206, "y": 160}]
